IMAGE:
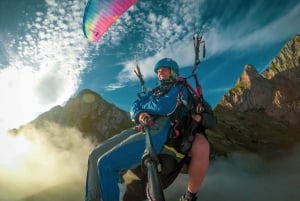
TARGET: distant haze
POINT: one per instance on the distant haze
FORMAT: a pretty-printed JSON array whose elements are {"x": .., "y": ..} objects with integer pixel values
[
  {"x": 246, "y": 177},
  {"x": 37, "y": 159},
  {"x": 60, "y": 156}
]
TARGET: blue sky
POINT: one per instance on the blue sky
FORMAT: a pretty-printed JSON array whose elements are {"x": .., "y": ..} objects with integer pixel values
[{"x": 45, "y": 59}]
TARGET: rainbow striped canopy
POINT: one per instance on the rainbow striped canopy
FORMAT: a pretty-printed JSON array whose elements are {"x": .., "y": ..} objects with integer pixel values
[{"x": 99, "y": 15}]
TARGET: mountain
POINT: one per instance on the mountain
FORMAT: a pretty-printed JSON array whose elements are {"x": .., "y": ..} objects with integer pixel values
[
  {"x": 89, "y": 113},
  {"x": 261, "y": 113},
  {"x": 62, "y": 138}
]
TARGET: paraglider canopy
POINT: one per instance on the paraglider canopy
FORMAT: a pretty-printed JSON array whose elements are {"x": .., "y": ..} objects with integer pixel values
[{"x": 99, "y": 15}]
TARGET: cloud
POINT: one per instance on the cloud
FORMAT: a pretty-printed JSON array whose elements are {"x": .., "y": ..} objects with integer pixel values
[
  {"x": 247, "y": 177},
  {"x": 113, "y": 86},
  {"x": 37, "y": 159},
  {"x": 45, "y": 63},
  {"x": 285, "y": 27},
  {"x": 259, "y": 25}
]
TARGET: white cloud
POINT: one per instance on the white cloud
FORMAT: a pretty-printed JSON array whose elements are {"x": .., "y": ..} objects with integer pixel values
[
  {"x": 238, "y": 36},
  {"x": 279, "y": 29},
  {"x": 113, "y": 86},
  {"x": 44, "y": 65},
  {"x": 33, "y": 152}
]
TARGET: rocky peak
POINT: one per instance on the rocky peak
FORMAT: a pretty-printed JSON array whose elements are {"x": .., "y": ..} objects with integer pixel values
[
  {"x": 251, "y": 91},
  {"x": 261, "y": 113},
  {"x": 90, "y": 114},
  {"x": 248, "y": 75},
  {"x": 288, "y": 58},
  {"x": 274, "y": 91}
]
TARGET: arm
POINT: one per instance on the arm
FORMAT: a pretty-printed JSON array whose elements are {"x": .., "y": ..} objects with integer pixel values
[
  {"x": 135, "y": 110},
  {"x": 159, "y": 105},
  {"x": 137, "y": 113}
]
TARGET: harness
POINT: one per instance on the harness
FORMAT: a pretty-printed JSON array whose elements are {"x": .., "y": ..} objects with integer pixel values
[{"x": 193, "y": 106}]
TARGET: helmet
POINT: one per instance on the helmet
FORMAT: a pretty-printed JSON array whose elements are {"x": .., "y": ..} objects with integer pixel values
[{"x": 167, "y": 62}]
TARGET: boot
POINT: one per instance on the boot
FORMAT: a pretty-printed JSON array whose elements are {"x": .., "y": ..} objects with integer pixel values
[{"x": 188, "y": 197}]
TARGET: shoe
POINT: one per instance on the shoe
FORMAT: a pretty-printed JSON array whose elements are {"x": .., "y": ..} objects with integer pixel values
[{"x": 185, "y": 198}]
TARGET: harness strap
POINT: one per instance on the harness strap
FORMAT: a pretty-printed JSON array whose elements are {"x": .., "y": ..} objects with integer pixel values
[
  {"x": 138, "y": 73},
  {"x": 176, "y": 129},
  {"x": 174, "y": 151},
  {"x": 196, "y": 106},
  {"x": 180, "y": 93}
]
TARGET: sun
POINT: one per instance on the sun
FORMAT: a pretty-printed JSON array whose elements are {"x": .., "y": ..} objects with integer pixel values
[{"x": 13, "y": 150}]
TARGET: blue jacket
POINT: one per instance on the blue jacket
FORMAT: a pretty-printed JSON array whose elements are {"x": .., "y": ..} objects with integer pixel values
[
  {"x": 158, "y": 104},
  {"x": 166, "y": 103}
]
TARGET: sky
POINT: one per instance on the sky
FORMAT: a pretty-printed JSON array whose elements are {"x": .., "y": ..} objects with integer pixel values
[{"x": 45, "y": 58}]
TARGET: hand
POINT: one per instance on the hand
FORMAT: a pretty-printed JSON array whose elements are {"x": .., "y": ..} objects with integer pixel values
[
  {"x": 144, "y": 117},
  {"x": 197, "y": 117}
]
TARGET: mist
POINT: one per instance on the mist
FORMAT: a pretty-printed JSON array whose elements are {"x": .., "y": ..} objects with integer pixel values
[
  {"x": 37, "y": 159},
  {"x": 248, "y": 177}
]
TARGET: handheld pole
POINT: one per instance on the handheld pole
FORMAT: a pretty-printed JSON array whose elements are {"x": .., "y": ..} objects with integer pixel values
[{"x": 154, "y": 190}]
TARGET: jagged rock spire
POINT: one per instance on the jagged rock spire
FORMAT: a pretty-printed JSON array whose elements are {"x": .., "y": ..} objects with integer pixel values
[
  {"x": 249, "y": 73},
  {"x": 275, "y": 91},
  {"x": 288, "y": 58}
]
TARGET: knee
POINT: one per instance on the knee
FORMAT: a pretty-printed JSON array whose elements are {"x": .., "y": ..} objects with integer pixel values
[
  {"x": 200, "y": 147},
  {"x": 103, "y": 163},
  {"x": 94, "y": 155}
]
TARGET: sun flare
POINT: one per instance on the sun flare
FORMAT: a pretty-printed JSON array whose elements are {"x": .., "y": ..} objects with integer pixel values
[{"x": 13, "y": 150}]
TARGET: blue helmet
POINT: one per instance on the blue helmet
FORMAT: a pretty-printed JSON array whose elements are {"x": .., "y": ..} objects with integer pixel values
[{"x": 167, "y": 62}]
